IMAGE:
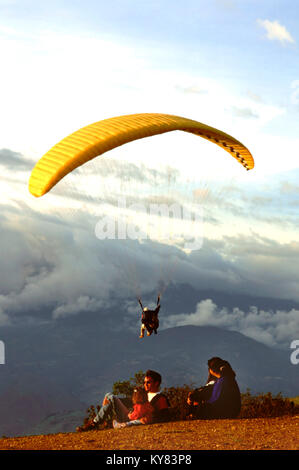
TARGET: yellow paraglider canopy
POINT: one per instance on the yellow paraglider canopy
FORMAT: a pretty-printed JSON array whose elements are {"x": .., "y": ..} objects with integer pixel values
[{"x": 96, "y": 139}]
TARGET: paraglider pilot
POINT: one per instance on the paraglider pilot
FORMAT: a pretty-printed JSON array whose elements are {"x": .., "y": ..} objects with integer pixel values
[{"x": 149, "y": 319}]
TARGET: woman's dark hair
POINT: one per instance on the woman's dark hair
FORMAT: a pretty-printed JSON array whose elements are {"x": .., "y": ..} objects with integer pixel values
[
  {"x": 220, "y": 366},
  {"x": 215, "y": 363}
]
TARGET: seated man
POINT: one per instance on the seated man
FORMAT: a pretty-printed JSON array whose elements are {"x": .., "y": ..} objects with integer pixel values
[
  {"x": 221, "y": 397},
  {"x": 112, "y": 405},
  {"x": 160, "y": 403}
]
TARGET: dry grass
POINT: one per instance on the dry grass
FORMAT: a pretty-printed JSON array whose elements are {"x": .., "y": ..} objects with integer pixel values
[{"x": 281, "y": 433}]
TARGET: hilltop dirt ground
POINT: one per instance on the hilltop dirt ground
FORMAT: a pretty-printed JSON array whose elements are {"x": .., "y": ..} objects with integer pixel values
[{"x": 240, "y": 434}]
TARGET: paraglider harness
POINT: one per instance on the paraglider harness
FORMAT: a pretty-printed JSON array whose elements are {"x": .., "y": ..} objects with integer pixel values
[{"x": 150, "y": 318}]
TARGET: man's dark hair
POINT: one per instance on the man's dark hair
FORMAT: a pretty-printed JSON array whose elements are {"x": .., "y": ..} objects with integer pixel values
[{"x": 154, "y": 375}]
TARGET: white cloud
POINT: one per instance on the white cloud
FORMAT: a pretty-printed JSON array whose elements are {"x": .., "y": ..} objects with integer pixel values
[
  {"x": 244, "y": 112},
  {"x": 56, "y": 267},
  {"x": 4, "y": 319},
  {"x": 69, "y": 81},
  {"x": 276, "y": 31},
  {"x": 277, "y": 328},
  {"x": 82, "y": 304}
]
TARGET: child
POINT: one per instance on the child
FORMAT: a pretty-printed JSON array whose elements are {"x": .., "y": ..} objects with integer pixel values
[{"x": 141, "y": 409}]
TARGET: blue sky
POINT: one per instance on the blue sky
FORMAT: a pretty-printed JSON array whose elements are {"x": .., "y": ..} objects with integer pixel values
[
  {"x": 232, "y": 64},
  {"x": 224, "y": 42},
  {"x": 223, "y": 62}
]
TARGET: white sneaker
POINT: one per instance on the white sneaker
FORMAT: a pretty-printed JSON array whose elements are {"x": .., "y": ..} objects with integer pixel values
[{"x": 118, "y": 425}]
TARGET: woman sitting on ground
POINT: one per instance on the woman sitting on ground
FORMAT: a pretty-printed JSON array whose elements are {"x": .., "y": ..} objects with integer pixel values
[{"x": 220, "y": 398}]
